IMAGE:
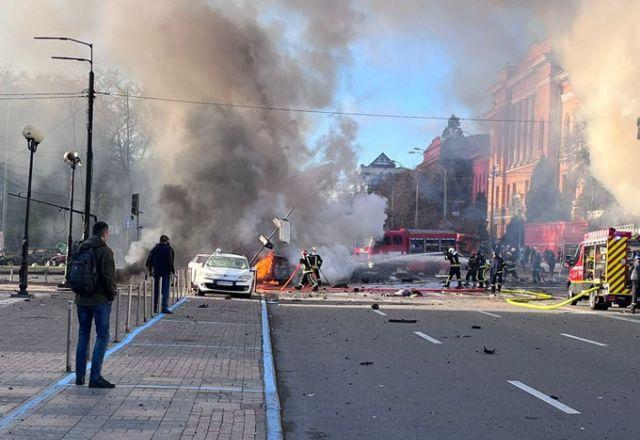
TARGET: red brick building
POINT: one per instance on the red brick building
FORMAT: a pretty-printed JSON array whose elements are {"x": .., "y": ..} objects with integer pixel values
[{"x": 533, "y": 112}]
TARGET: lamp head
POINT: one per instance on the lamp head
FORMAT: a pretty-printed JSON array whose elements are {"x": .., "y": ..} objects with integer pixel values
[
  {"x": 32, "y": 134},
  {"x": 72, "y": 158}
]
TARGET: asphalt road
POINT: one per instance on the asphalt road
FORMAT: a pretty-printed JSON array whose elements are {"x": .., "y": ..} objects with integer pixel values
[{"x": 443, "y": 386}]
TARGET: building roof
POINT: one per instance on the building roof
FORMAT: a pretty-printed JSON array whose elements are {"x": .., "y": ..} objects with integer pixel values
[{"x": 382, "y": 161}]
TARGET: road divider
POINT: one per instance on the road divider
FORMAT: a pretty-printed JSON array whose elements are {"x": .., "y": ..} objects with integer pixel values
[{"x": 545, "y": 398}]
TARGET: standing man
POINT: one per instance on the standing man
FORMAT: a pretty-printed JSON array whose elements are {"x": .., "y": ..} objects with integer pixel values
[
  {"x": 92, "y": 272},
  {"x": 536, "y": 266},
  {"x": 635, "y": 283},
  {"x": 472, "y": 270},
  {"x": 454, "y": 268},
  {"x": 316, "y": 264},
  {"x": 483, "y": 266},
  {"x": 160, "y": 265},
  {"x": 497, "y": 267}
]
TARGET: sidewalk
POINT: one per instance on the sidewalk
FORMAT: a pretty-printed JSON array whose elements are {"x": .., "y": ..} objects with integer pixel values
[{"x": 196, "y": 374}]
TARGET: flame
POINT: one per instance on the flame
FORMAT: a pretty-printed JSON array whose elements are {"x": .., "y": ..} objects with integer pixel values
[{"x": 272, "y": 269}]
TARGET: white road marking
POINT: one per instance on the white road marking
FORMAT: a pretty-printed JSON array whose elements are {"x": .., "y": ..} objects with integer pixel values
[
  {"x": 547, "y": 399},
  {"x": 428, "y": 338},
  {"x": 621, "y": 318},
  {"x": 379, "y": 312},
  {"x": 599, "y": 344},
  {"x": 490, "y": 314}
]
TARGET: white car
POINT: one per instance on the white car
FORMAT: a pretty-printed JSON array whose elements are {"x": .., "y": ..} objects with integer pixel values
[
  {"x": 227, "y": 273},
  {"x": 196, "y": 269}
]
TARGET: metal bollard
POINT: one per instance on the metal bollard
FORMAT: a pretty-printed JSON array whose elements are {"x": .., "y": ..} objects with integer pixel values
[
  {"x": 46, "y": 274},
  {"x": 11, "y": 275},
  {"x": 156, "y": 302},
  {"x": 69, "y": 328},
  {"x": 117, "y": 326},
  {"x": 127, "y": 327},
  {"x": 177, "y": 285},
  {"x": 144, "y": 301},
  {"x": 138, "y": 302}
]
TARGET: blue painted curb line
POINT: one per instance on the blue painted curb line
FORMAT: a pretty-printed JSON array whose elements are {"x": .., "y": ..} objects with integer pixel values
[
  {"x": 274, "y": 425},
  {"x": 55, "y": 388}
]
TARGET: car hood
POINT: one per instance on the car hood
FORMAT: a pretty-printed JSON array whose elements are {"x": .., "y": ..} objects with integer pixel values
[{"x": 226, "y": 272}]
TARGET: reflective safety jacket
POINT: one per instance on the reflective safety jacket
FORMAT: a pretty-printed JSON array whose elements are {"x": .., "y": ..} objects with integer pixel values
[
  {"x": 453, "y": 259},
  {"x": 315, "y": 260}
]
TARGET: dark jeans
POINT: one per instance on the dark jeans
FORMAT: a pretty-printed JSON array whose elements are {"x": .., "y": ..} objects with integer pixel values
[
  {"x": 454, "y": 271},
  {"x": 634, "y": 291},
  {"x": 496, "y": 279},
  {"x": 166, "y": 283},
  {"x": 86, "y": 314}
]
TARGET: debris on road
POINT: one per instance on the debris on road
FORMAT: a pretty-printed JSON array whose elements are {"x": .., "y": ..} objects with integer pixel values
[
  {"x": 403, "y": 321},
  {"x": 366, "y": 363},
  {"x": 375, "y": 306},
  {"x": 476, "y": 327},
  {"x": 489, "y": 350},
  {"x": 203, "y": 306}
]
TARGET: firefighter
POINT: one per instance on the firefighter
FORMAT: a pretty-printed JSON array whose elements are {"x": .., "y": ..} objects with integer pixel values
[
  {"x": 510, "y": 267},
  {"x": 454, "y": 267},
  {"x": 308, "y": 278},
  {"x": 472, "y": 270},
  {"x": 483, "y": 266},
  {"x": 316, "y": 265},
  {"x": 536, "y": 266},
  {"x": 497, "y": 267}
]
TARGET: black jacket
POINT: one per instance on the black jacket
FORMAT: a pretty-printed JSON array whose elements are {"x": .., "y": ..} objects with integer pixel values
[
  {"x": 497, "y": 265},
  {"x": 106, "y": 289},
  {"x": 160, "y": 260}
]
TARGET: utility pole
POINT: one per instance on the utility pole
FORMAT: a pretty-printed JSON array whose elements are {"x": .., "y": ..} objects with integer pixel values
[
  {"x": 493, "y": 192},
  {"x": 91, "y": 97},
  {"x": 5, "y": 174},
  {"x": 444, "y": 205},
  {"x": 415, "y": 220}
]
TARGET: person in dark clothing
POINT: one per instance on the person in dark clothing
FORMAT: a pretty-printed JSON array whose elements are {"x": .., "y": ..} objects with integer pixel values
[
  {"x": 316, "y": 264},
  {"x": 497, "y": 268},
  {"x": 550, "y": 258},
  {"x": 160, "y": 265},
  {"x": 308, "y": 277},
  {"x": 454, "y": 268},
  {"x": 536, "y": 266},
  {"x": 510, "y": 267},
  {"x": 634, "y": 276},
  {"x": 96, "y": 307},
  {"x": 472, "y": 270},
  {"x": 483, "y": 265}
]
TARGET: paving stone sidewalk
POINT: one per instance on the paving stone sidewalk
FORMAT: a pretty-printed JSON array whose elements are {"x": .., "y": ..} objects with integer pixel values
[{"x": 196, "y": 374}]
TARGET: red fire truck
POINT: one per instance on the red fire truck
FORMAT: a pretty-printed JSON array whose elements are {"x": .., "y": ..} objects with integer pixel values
[
  {"x": 420, "y": 241},
  {"x": 603, "y": 260}
]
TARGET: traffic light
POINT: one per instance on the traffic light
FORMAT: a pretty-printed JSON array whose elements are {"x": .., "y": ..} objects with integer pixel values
[{"x": 135, "y": 204}]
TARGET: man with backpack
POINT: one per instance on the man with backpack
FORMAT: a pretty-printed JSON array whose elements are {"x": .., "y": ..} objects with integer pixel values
[
  {"x": 92, "y": 277},
  {"x": 160, "y": 266}
]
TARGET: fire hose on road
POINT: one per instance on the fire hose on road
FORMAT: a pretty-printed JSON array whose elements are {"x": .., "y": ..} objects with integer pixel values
[{"x": 524, "y": 301}]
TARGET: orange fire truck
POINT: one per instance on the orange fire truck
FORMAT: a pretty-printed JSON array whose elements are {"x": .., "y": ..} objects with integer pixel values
[{"x": 603, "y": 260}]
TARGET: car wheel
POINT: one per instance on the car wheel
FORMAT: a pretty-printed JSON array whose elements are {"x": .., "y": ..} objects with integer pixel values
[{"x": 200, "y": 292}]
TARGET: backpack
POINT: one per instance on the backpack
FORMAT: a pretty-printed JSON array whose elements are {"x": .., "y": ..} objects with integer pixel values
[{"x": 83, "y": 271}]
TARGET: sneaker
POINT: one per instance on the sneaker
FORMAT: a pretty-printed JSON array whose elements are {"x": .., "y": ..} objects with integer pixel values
[
  {"x": 101, "y": 382},
  {"x": 79, "y": 381},
  {"x": 167, "y": 312}
]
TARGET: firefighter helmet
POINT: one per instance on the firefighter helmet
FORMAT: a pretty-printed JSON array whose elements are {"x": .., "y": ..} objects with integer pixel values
[
  {"x": 314, "y": 250},
  {"x": 304, "y": 252},
  {"x": 451, "y": 250}
]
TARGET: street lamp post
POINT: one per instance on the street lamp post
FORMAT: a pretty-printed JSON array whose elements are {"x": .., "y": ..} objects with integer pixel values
[
  {"x": 91, "y": 97},
  {"x": 73, "y": 159},
  {"x": 33, "y": 137}
]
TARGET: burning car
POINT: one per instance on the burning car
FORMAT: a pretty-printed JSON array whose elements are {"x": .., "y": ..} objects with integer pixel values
[
  {"x": 227, "y": 273},
  {"x": 273, "y": 269}
]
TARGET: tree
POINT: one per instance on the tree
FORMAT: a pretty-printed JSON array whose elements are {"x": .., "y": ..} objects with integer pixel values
[
  {"x": 514, "y": 233},
  {"x": 452, "y": 129},
  {"x": 544, "y": 201}
]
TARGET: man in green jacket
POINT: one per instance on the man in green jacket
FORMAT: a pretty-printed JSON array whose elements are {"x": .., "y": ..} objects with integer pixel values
[{"x": 96, "y": 306}]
